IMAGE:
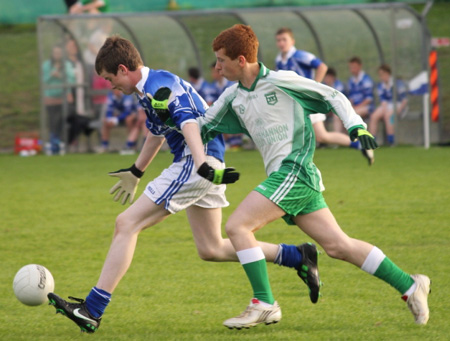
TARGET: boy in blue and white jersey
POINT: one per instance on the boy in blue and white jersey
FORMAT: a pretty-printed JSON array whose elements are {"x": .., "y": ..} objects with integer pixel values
[
  {"x": 360, "y": 88},
  {"x": 194, "y": 182},
  {"x": 309, "y": 66},
  {"x": 185, "y": 106},
  {"x": 301, "y": 62},
  {"x": 204, "y": 89},
  {"x": 219, "y": 84},
  {"x": 120, "y": 110},
  {"x": 233, "y": 142},
  {"x": 331, "y": 80},
  {"x": 385, "y": 111}
]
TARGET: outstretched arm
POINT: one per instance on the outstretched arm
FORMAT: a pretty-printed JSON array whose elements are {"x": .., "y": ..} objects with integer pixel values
[
  {"x": 151, "y": 147},
  {"x": 129, "y": 177}
]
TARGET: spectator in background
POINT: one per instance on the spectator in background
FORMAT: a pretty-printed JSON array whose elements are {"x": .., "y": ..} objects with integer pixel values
[
  {"x": 360, "y": 89},
  {"x": 57, "y": 73},
  {"x": 203, "y": 88},
  {"x": 331, "y": 80},
  {"x": 87, "y": 6},
  {"x": 233, "y": 142},
  {"x": 385, "y": 111},
  {"x": 309, "y": 66},
  {"x": 121, "y": 110},
  {"x": 219, "y": 83},
  {"x": 78, "y": 121}
]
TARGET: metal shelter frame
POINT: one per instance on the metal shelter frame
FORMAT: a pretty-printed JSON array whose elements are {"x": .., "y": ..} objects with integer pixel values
[{"x": 304, "y": 15}]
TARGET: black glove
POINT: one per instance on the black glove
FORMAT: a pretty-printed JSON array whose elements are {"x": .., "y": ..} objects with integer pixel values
[
  {"x": 160, "y": 103},
  {"x": 365, "y": 138},
  {"x": 218, "y": 176}
]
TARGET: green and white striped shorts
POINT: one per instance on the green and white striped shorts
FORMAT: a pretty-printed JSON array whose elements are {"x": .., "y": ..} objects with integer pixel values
[{"x": 291, "y": 194}]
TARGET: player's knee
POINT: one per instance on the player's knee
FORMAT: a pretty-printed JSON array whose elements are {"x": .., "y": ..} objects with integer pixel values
[
  {"x": 122, "y": 224},
  {"x": 336, "y": 250},
  {"x": 231, "y": 229}
]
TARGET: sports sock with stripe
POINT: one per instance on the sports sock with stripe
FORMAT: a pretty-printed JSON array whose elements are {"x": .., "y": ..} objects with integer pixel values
[
  {"x": 254, "y": 263},
  {"x": 97, "y": 301},
  {"x": 355, "y": 145},
  {"x": 380, "y": 266},
  {"x": 288, "y": 255}
]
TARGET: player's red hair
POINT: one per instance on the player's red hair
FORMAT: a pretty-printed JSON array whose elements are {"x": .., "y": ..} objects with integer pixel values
[{"x": 238, "y": 40}]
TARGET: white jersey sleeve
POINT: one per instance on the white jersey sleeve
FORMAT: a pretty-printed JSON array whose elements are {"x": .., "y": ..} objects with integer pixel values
[
  {"x": 316, "y": 97},
  {"x": 221, "y": 117}
]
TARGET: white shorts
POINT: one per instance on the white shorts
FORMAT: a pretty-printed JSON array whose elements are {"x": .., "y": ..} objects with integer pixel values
[
  {"x": 317, "y": 118},
  {"x": 179, "y": 187}
]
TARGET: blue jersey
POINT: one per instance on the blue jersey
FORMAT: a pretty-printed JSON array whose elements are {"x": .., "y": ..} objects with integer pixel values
[
  {"x": 386, "y": 91},
  {"x": 204, "y": 89},
  {"x": 217, "y": 89},
  {"x": 360, "y": 89},
  {"x": 339, "y": 86},
  {"x": 301, "y": 62},
  {"x": 120, "y": 106},
  {"x": 185, "y": 105}
]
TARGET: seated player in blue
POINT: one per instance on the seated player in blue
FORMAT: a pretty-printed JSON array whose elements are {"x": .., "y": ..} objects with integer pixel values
[
  {"x": 385, "y": 111},
  {"x": 219, "y": 84},
  {"x": 233, "y": 142},
  {"x": 309, "y": 66},
  {"x": 121, "y": 110},
  {"x": 360, "y": 88},
  {"x": 331, "y": 80},
  {"x": 194, "y": 182},
  {"x": 203, "y": 88}
]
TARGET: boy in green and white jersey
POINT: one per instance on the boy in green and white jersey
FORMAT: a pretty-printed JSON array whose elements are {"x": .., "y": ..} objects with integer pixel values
[{"x": 273, "y": 108}]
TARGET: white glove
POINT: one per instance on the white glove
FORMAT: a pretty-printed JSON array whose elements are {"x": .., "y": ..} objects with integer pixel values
[{"x": 127, "y": 185}]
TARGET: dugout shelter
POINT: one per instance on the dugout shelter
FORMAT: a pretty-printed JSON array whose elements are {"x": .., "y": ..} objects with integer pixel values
[{"x": 388, "y": 33}]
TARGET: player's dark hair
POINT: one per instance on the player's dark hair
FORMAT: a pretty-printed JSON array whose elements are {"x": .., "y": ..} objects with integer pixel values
[
  {"x": 194, "y": 72},
  {"x": 238, "y": 40},
  {"x": 115, "y": 51},
  {"x": 331, "y": 72},
  {"x": 386, "y": 68},
  {"x": 283, "y": 30},
  {"x": 356, "y": 60}
]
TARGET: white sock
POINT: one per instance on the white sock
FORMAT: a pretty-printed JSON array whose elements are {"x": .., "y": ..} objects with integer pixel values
[{"x": 410, "y": 290}]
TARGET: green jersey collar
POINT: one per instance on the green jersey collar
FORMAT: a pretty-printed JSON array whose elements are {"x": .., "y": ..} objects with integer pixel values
[{"x": 263, "y": 72}]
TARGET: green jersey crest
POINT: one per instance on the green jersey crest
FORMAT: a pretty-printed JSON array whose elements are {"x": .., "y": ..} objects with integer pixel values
[{"x": 271, "y": 98}]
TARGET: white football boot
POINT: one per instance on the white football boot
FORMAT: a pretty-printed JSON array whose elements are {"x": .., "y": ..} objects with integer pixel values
[
  {"x": 418, "y": 300},
  {"x": 255, "y": 314}
]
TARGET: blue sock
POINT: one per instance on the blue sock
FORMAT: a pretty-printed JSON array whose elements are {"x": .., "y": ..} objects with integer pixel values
[
  {"x": 97, "y": 301},
  {"x": 105, "y": 143},
  {"x": 288, "y": 256},
  {"x": 355, "y": 145},
  {"x": 131, "y": 144},
  {"x": 390, "y": 139}
]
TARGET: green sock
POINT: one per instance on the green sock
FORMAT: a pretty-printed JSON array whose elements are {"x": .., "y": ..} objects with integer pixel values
[
  {"x": 392, "y": 274},
  {"x": 254, "y": 263},
  {"x": 379, "y": 265},
  {"x": 259, "y": 279}
]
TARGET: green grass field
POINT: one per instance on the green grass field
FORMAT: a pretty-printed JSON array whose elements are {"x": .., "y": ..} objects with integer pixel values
[{"x": 56, "y": 211}]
